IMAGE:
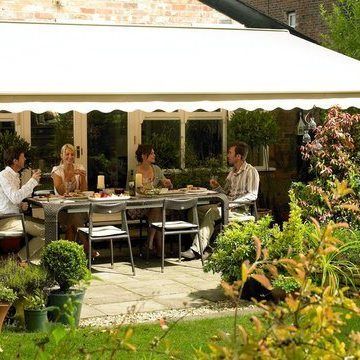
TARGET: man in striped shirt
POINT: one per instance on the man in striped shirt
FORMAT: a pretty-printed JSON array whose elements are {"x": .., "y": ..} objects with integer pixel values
[{"x": 241, "y": 186}]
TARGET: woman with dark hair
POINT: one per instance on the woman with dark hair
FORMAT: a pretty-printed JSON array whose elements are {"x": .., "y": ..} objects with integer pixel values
[{"x": 152, "y": 177}]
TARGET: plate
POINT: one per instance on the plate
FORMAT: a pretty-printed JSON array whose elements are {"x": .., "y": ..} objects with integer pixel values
[
  {"x": 43, "y": 198},
  {"x": 110, "y": 198},
  {"x": 196, "y": 190}
]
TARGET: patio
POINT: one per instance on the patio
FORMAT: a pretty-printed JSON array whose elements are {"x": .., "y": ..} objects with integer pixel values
[{"x": 115, "y": 295}]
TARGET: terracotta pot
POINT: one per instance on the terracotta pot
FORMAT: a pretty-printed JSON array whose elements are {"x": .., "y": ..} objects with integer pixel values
[{"x": 4, "y": 308}]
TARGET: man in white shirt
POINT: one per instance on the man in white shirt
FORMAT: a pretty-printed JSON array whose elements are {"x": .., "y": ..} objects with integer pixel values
[
  {"x": 11, "y": 197},
  {"x": 241, "y": 187}
]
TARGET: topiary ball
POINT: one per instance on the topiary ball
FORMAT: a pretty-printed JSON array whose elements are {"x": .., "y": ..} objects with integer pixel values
[{"x": 66, "y": 263}]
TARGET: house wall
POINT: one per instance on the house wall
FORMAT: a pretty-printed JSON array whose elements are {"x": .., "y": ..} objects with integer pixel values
[
  {"x": 135, "y": 12},
  {"x": 308, "y": 17}
]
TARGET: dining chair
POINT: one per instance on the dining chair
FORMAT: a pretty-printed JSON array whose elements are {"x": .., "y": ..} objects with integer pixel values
[
  {"x": 109, "y": 232},
  {"x": 177, "y": 227},
  {"x": 16, "y": 233}
]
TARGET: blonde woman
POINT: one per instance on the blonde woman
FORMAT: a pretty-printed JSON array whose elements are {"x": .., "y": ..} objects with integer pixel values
[{"x": 69, "y": 177}]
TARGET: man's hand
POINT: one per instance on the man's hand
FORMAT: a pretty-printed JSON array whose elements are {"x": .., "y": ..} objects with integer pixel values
[
  {"x": 214, "y": 183},
  {"x": 37, "y": 175},
  {"x": 24, "y": 206}
]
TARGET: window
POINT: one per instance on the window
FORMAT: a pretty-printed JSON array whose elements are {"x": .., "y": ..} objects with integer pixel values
[
  {"x": 49, "y": 132},
  {"x": 164, "y": 136},
  {"x": 107, "y": 148},
  {"x": 291, "y": 19},
  {"x": 203, "y": 142}
]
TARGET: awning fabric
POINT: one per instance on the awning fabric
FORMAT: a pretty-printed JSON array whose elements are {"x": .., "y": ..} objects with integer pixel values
[{"x": 88, "y": 67}]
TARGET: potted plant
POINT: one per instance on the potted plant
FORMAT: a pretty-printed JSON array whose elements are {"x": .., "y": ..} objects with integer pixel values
[
  {"x": 24, "y": 281},
  {"x": 36, "y": 312},
  {"x": 7, "y": 297},
  {"x": 66, "y": 264}
]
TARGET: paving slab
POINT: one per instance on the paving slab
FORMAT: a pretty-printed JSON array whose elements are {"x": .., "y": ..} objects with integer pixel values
[{"x": 114, "y": 291}]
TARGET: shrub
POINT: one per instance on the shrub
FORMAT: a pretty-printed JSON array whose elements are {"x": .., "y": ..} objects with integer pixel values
[
  {"x": 35, "y": 301},
  {"x": 66, "y": 263},
  {"x": 302, "y": 327},
  {"x": 286, "y": 283},
  {"x": 8, "y": 139},
  {"x": 235, "y": 244},
  {"x": 7, "y": 295},
  {"x": 23, "y": 280},
  {"x": 334, "y": 158}
]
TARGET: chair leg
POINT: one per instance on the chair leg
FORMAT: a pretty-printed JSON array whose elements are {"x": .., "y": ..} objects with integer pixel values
[
  {"x": 89, "y": 253},
  {"x": 179, "y": 247},
  {"x": 27, "y": 248},
  {"x": 162, "y": 250},
  {"x": 131, "y": 256},
  {"x": 112, "y": 252},
  {"x": 201, "y": 250},
  {"x": 147, "y": 249}
]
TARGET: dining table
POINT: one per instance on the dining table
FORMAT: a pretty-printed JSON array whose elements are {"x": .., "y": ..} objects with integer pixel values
[{"x": 52, "y": 206}]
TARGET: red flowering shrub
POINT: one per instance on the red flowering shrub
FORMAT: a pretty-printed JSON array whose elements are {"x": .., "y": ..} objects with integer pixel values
[{"x": 334, "y": 156}]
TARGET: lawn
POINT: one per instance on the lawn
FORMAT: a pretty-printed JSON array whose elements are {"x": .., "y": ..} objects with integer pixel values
[{"x": 185, "y": 337}]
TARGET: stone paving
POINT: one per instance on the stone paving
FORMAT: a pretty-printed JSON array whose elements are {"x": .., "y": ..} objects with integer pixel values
[{"x": 116, "y": 291}]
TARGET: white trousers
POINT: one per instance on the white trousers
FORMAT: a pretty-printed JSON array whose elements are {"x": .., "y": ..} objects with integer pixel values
[
  {"x": 208, "y": 214},
  {"x": 32, "y": 228}
]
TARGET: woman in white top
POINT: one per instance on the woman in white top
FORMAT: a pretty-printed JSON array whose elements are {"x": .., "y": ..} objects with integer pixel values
[{"x": 69, "y": 177}]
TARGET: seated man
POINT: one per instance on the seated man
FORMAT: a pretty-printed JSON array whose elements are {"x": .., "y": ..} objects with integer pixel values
[
  {"x": 11, "y": 197},
  {"x": 241, "y": 186}
]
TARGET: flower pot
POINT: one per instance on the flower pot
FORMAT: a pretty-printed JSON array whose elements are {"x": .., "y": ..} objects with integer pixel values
[
  {"x": 278, "y": 294},
  {"x": 61, "y": 301},
  {"x": 36, "y": 320},
  {"x": 4, "y": 308}
]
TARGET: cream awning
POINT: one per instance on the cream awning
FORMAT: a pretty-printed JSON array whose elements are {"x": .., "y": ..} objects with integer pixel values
[{"x": 92, "y": 67}]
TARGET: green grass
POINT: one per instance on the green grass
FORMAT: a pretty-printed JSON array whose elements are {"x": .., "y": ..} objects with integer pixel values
[{"x": 185, "y": 337}]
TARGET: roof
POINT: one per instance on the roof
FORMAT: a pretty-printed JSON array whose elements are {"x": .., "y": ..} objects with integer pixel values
[
  {"x": 251, "y": 17},
  {"x": 87, "y": 67}
]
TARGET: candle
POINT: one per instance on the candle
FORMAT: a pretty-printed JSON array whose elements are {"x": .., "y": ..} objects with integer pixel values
[
  {"x": 138, "y": 180},
  {"x": 101, "y": 182}
]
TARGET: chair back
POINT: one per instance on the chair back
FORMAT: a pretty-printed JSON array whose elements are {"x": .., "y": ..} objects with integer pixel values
[
  {"x": 109, "y": 208},
  {"x": 180, "y": 204}
]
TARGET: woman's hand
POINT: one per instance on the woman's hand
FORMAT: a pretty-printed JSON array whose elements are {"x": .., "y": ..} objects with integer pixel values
[
  {"x": 214, "y": 183},
  {"x": 80, "y": 172},
  {"x": 167, "y": 183}
]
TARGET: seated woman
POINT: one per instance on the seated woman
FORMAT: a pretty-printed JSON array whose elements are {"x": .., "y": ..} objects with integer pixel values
[
  {"x": 69, "y": 177},
  {"x": 152, "y": 177}
]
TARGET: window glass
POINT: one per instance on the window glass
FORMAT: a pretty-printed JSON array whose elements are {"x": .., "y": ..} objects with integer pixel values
[
  {"x": 107, "y": 148},
  {"x": 8, "y": 126},
  {"x": 164, "y": 136},
  {"x": 49, "y": 132},
  {"x": 203, "y": 142},
  {"x": 291, "y": 17}
]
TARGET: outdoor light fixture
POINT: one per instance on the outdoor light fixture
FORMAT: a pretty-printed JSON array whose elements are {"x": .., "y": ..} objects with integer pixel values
[{"x": 306, "y": 125}]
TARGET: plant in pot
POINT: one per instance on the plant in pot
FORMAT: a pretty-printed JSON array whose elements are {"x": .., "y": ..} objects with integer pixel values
[
  {"x": 24, "y": 281},
  {"x": 7, "y": 297},
  {"x": 36, "y": 312},
  {"x": 66, "y": 264}
]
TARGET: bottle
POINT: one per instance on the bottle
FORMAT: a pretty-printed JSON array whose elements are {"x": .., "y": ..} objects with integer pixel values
[{"x": 131, "y": 183}]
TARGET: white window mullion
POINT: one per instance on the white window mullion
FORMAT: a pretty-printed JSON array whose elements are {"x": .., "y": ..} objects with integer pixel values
[{"x": 183, "y": 119}]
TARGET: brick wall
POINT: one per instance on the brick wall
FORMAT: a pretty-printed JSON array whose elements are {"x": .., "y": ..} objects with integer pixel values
[
  {"x": 139, "y": 12},
  {"x": 308, "y": 16}
]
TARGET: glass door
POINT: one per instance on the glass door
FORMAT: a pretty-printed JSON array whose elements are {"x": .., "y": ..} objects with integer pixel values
[{"x": 7, "y": 122}]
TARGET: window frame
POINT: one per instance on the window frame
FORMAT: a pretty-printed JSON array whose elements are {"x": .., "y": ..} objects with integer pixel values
[
  {"x": 136, "y": 118},
  {"x": 291, "y": 18}
]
